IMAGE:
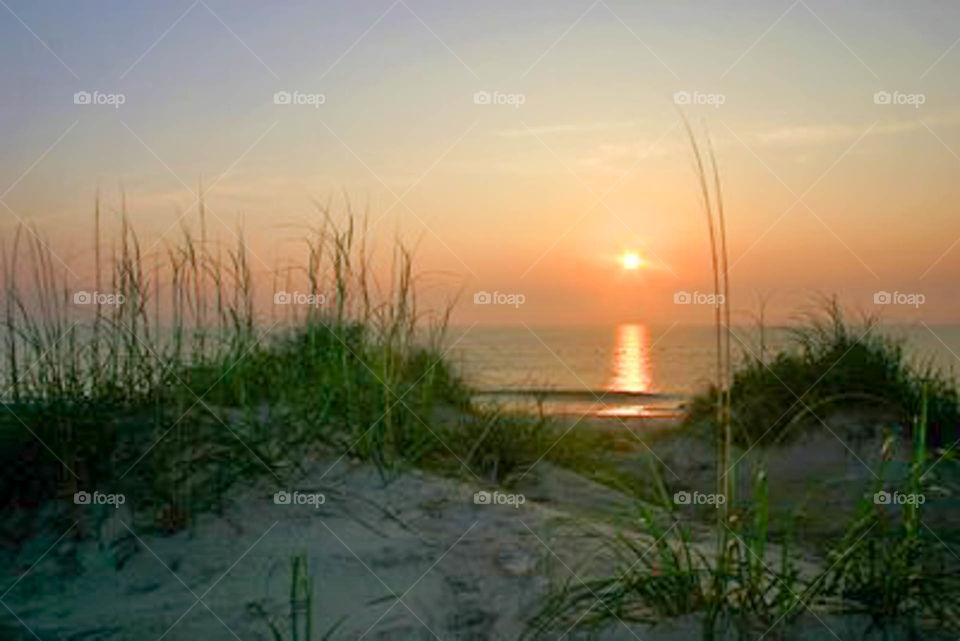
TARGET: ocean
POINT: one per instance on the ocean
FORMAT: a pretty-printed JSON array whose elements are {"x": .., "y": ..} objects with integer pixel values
[{"x": 644, "y": 369}]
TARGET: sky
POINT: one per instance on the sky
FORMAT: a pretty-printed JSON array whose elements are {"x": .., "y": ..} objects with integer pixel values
[{"x": 523, "y": 148}]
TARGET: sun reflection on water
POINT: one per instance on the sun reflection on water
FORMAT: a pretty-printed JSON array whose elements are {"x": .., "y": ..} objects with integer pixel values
[
  {"x": 631, "y": 359},
  {"x": 632, "y": 370}
]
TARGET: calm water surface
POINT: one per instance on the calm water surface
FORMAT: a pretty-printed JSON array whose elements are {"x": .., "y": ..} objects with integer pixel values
[{"x": 635, "y": 357}]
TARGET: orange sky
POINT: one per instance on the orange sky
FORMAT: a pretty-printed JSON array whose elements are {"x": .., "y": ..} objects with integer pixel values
[{"x": 577, "y": 157}]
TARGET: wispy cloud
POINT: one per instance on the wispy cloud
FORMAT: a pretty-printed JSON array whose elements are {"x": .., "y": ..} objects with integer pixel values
[
  {"x": 568, "y": 128},
  {"x": 831, "y": 133},
  {"x": 613, "y": 156}
]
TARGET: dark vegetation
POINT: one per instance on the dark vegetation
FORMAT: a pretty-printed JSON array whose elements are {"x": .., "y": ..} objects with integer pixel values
[
  {"x": 195, "y": 384},
  {"x": 832, "y": 364}
]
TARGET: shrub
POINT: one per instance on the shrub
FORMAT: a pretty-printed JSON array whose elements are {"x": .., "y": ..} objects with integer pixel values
[{"x": 831, "y": 363}]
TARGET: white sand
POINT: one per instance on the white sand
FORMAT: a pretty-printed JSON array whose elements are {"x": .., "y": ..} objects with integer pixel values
[{"x": 464, "y": 571}]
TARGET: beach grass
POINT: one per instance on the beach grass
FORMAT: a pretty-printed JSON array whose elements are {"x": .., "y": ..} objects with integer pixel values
[
  {"x": 731, "y": 576},
  {"x": 190, "y": 385},
  {"x": 889, "y": 568},
  {"x": 301, "y": 616},
  {"x": 189, "y": 381},
  {"x": 832, "y": 363}
]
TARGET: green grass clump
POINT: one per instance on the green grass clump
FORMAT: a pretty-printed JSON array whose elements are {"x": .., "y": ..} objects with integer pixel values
[
  {"x": 888, "y": 566},
  {"x": 830, "y": 364},
  {"x": 195, "y": 382},
  {"x": 344, "y": 384},
  {"x": 898, "y": 569},
  {"x": 301, "y": 615},
  {"x": 502, "y": 447},
  {"x": 671, "y": 571}
]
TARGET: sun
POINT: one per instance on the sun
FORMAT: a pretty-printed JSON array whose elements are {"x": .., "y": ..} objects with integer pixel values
[{"x": 631, "y": 261}]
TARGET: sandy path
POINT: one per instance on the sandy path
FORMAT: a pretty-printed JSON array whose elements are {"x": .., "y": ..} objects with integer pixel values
[{"x": 463, "y": 571}]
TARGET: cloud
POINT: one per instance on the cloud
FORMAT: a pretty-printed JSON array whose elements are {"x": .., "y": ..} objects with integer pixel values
[
  {"x": 829, "y": 133},
  {"x": 567, "y": 128},
  {"x": 618, "y": 155},
  {"x": 615, "y": 156}
]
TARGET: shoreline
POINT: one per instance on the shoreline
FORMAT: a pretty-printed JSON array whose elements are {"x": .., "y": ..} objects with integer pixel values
[{"x": 599, "y": 403}]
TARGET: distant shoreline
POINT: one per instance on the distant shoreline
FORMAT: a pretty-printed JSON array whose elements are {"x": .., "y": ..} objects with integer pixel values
[
  {"x": 569, "y": 402},
  {"x": 622, "y": 396}
]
